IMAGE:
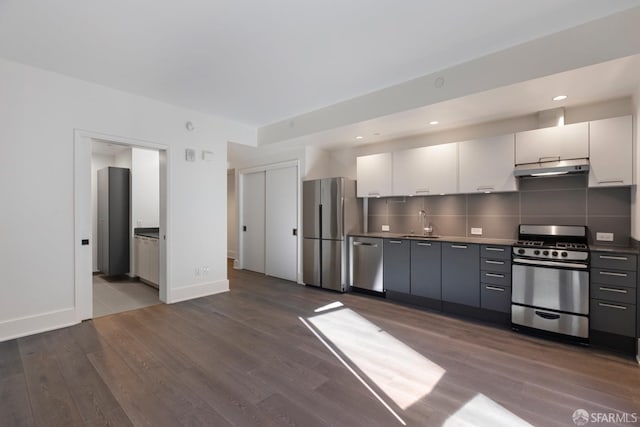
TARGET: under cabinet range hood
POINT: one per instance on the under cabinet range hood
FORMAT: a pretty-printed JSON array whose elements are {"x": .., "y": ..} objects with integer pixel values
[{"x": 555, "y": 167}]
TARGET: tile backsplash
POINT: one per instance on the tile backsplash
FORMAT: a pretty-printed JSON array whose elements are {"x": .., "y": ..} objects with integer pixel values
[{"x": 565, "y": 200}]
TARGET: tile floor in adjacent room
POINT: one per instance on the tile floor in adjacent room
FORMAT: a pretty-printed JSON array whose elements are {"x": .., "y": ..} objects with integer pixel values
[{"x": 115, "y": 295}]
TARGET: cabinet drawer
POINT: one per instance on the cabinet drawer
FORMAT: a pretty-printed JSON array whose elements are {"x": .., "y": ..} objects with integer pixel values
[
  {"x": 616, "y": 261},
  {"x": 501, "y": 265},
  {"x": 613, "y": 293},
  {"x": 496, "y": 278},
  {"x": 613, "y": 317},
  {"x": 495, "y": 297},
  {"x": 626, "y": 279},
  {"x": 495, "y": 251}
]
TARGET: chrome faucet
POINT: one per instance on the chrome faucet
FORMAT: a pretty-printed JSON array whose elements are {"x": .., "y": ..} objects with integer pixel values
[{"x": 426, "y": 229}]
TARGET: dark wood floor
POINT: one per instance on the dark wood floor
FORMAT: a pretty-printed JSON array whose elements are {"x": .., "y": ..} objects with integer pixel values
[{"x": 244, "y": 358}]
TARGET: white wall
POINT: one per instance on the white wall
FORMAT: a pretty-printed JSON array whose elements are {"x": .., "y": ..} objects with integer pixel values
[
  {"x": 145, "y": 187},
  {"x": 232, "y": 220},
  {"x": 38, "y": 115},
  {"x": 635, "y": 191}
]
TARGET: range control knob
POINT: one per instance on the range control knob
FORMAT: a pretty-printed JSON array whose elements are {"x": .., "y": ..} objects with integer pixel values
[
  {"x": 554, "y": 253},
  {"x": 536, "y": 252},
  {"x": 564, "y": 254},
  {"x": 545, "y": 253},
  {"x": 521, "y": 251}
]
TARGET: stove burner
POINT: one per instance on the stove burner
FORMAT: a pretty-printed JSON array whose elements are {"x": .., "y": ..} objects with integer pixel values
[{"x": 529, "y": 243}]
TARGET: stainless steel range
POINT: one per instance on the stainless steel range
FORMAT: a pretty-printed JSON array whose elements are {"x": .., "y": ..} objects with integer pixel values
[{"x": 550, "y": 279}]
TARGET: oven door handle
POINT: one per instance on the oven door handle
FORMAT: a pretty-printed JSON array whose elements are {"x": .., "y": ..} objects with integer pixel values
[{"x": 543, "y": 263}]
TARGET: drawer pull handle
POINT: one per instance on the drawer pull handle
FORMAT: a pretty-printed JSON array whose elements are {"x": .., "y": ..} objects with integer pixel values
[
  {"x": 422, "y": 190},
  {"x": 374, "y": 193},
  {"x": 548, "y": 316},
  {"x": 494, "y": 288},
  {"x": 423, "y": 244},
  {"x": 616, "y": 306},
  {"x": 501, "y": 276},
  {"x": 395, "y": 242},
  {"x": 620, "y": 291},
  {"x": 611, "y": 181},
  {"x": 610, "y": 273},
  {"x": 485, "y": 188},
  {"x": 613, "y": 257},
  {"x": 494, "y": 262},
  {"x": 459, "y": 246},
  {"x": 495, "y": 249}
]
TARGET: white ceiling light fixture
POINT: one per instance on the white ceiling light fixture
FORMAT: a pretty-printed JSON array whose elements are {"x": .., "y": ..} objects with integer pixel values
[
  {"x": 560, "y": 97},
  {"x": 359, "y": 137},
  {"x": 434, "y": 122}
]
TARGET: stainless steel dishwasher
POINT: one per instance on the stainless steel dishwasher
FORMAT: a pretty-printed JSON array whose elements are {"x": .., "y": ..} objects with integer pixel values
[{"x": 365, "y": 261}]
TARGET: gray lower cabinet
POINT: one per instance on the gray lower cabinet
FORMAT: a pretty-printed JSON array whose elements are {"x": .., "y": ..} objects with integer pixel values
[
  {"x": 461, "y": 273},
  {"x": 613, "y": 293},
  {"x": 426, "y": 259},
  {"x": 397, "y": 265}
]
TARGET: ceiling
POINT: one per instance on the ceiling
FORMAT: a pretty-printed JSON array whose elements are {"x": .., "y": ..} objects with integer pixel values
[{"x": 259, "y": 62}]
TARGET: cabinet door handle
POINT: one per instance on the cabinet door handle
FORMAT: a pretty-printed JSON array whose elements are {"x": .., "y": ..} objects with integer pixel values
[
  {"x": 620, "y": 291},
  {"x": 500, "y": 276},
  {"x": 494, "y": 249},
  {"x": 616, "y": 306},
  {"x": 611, "y": 181},
  {"x": 423, "y": 244},
  {"x": 611, "y": 273},
  {"x": 613, "y": 257},
  {"x": 489, "y": 261},
  {"x": 373, "y": 193},
  {"x": 487, "y": 188},
  {"x": 422, "y": 190},
  {"x": 395, "y": 242},
  {"x": 494, "y": 288},
  {"x": 459, "y": 246}
]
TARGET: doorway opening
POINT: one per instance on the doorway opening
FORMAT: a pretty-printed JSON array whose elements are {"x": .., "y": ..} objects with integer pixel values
[{"x": 120, "y": 224}]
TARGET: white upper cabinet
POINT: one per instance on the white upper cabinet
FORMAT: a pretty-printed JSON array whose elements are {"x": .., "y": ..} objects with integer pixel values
[
  {"x": 374, "y": 174},
  {"x": 426, "y": 171},
  {"x": 611, "y": 152},
  {"x": 487, "y": 164},
  {"x": 554, "y": 143}
]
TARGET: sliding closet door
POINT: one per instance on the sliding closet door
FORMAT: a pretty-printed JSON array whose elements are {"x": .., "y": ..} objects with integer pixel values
[
  {"x": 253, "y": 221},
  {"x": 282, "y": 223}
]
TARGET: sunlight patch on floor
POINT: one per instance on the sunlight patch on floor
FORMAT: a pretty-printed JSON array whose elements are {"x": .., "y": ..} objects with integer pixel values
[
  {"x": 482, "y": 411},
  {"x": 403, "y": 374}
]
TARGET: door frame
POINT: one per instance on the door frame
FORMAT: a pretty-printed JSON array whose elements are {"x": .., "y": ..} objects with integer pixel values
[
  {"x": 239, "y": 261},
  {"x": 83, "y": 271}
]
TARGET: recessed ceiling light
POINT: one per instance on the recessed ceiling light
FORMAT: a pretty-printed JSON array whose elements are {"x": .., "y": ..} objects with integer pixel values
[
  {"x": 560, "y": 98},
  {"x": 434, "y": 122},
  {"x": 359, "y": 137}
]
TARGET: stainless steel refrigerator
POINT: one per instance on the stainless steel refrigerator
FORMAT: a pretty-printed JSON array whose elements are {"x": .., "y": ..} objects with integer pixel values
[{"x": 330, "y": 211}]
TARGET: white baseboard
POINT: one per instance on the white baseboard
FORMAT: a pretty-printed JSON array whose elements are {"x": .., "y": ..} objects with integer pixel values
[
  {"x": 29, "y": 325},
  {"x": 198, "y": 290},
  {"x": 231, "y": 254}
]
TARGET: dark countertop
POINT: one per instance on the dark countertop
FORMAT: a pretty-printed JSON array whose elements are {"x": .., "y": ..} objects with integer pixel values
[
  {"x": 152, "y": 232},
  {"x": 451, "y": 239},
  {"x": 613, "y": 249}
]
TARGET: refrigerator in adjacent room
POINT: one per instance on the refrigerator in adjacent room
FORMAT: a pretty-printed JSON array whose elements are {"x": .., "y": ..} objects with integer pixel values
[{"x": 331, "y": 211}]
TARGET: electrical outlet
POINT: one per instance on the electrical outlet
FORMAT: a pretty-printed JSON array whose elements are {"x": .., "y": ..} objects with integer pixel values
[
  {"x": 476, "y": 231},
  {"x": 604, "y": 237},
  {"x": 385, "y": 228}
]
